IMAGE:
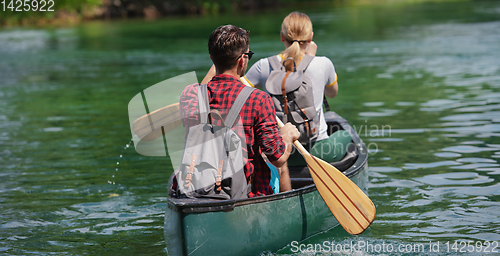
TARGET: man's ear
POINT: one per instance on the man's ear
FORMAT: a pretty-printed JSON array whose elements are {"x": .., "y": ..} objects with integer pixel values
[{"x": 241, "y": 62}]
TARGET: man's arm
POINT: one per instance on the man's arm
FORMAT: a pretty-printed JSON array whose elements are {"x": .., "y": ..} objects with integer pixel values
[
  {"x": 289, "y": 134},
  {"x": 275, "y": 143},
  {"x": 285, "y": 181}
]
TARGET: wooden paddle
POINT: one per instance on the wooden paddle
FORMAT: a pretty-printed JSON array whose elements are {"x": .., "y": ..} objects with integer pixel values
[
  {"x": 350, "y": 206},
  {"x": 148, "y": 127}
]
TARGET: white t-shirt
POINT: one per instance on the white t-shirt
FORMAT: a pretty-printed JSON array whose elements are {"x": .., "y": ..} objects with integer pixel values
[{"x": 321, "y": 72}]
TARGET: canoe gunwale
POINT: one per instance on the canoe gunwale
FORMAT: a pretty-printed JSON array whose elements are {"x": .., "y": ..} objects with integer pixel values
[
  {"x": 213, "y": 205},
  {"x": 195, "y": 206}
]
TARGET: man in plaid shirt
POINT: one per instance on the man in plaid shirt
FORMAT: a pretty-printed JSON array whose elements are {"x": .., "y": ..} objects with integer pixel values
[{"x": 229, "y": 50}]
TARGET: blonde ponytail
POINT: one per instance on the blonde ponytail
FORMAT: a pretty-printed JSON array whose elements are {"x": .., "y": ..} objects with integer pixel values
[{"x": 296, "y": 29}]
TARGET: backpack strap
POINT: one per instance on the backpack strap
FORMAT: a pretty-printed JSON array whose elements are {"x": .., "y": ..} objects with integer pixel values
[
  {"x": 237, "y": 105},
  {"x": 325, "y": 103},
  {"x": 275, "y": 64},
  {"x": 304, "y": 63},
  {"x": 203, "y": 103}
]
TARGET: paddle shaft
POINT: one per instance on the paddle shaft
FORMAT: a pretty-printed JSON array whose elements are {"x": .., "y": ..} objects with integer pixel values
[{"x": 296, "y": 143}]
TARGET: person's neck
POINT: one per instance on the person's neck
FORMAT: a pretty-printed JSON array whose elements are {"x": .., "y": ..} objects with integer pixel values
[{"x": 230, "y": 72}]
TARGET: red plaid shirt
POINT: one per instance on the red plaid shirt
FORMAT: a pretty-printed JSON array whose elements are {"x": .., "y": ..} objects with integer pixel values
[{"x": 259, "y": 125}]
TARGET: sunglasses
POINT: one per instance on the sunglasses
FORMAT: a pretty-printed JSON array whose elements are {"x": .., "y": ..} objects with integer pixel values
[{"x": 249, "y": 54}]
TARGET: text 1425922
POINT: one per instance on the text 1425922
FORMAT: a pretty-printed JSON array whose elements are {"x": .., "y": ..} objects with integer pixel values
[{"x": 28, "y": 5}]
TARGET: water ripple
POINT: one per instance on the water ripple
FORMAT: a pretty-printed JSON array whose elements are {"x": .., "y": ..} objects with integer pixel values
[
  {"x": 455, "y": 178},
  {"x": 489, "y": 116},
  {"x": 385, "y": 112},
  {"x": 468, "y": 149},
  {"x": 447, "y": 154},
  {"x": 429, "y": 165}
]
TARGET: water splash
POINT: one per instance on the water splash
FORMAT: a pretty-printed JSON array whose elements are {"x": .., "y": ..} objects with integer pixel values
[{"x": 112, "y": 182}]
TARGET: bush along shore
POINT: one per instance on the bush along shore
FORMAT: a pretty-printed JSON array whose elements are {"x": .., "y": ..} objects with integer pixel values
[{"x": 67, "y": 12}]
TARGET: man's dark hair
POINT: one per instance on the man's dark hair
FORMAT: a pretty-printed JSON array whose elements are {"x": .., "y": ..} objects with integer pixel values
[{"x": 226, "y": 44}]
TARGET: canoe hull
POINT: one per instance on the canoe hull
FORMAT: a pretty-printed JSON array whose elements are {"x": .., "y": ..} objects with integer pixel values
[
  {"x": 251, "y": 229},
  {"x": 252, "y": 226}
]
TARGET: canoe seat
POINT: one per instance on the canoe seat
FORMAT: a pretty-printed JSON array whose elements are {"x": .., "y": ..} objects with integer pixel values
[{"x": 301, "y": 182}]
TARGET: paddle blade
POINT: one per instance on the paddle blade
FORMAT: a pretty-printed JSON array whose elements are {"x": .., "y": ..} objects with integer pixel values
[
  {"x": 350, "y": 206},
  {"x": 148, "y": 127}
]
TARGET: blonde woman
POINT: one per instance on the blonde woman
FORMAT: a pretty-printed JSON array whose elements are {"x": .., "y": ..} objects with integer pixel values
[{"x": 297, "y": 37}]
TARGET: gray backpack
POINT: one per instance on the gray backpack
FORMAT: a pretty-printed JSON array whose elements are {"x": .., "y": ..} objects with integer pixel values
[
  {"x": 292, "y": 95},
  {"x": 212, "y": 164}
]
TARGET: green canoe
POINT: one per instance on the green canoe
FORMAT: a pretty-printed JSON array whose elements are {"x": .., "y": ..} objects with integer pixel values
[{"x": 269, "y": 223}]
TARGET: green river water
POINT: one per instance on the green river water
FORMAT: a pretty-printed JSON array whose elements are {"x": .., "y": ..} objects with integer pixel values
[{"x": 419, "y": 81}]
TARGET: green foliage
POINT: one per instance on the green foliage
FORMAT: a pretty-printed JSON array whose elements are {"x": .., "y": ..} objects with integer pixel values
[
  {"x": 63, "y": 11},
  {"x": 73, "y": 11}
]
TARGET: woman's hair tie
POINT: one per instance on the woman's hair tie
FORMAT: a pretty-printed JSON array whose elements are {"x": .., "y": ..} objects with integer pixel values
[{"x": 298, "y": 41}]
